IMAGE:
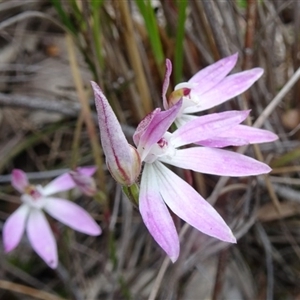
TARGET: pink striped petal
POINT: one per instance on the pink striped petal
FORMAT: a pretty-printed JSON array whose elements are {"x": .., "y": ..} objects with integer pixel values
[
  {"x": 72, "y": 215},
  {"x": 41, "y": 237},
  {"x": 19, "y": 180},
  {"x": 230, "y": 87},
  {"x": 14, "y": 227},
  {"x": 122, "y": 160},
  {"x": 156, "y": 215},
  {"x": 62, "y": 183},
  {"x": 216, "y": 162},
  {"x": 210, "y": 76},
  {"x": 166, "y": 83},
  {"x": 240, "y": 135},
  {"x": 207, "y": 126},
  {"x": 155, "y": 128},
  {"x": 185, "y": 202}
]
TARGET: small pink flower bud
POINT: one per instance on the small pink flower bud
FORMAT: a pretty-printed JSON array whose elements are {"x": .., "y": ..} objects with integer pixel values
[
  {"x": 85, "y": 183},
  {"x": 123, "y": 160}
]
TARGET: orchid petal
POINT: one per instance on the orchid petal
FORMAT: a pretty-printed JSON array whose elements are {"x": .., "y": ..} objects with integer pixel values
[
  {"x": 156, "y": 215},
  {"x": 166, "y": 83},
  {"x": 207, "y": 126},
  {"x": 185, "y": 202},
  {"x": 72, "y": 215},
  {"x": 122, "y": 160},
  {"x": 87, "y": 171},
  {"x": 159, "y": 123},
  {"x": 62, "y": 183},
  {"x": 14, "y": 227},
  {"x": 230, "y": 87},
  {"x": 210, "y": 76},
  {"x": 19, "y": 180},
  {"x": 240, "y": 135},
  {"x": 41, "y": 237},
  {"x": 221, "y": 142},
  {"x": 216, "y": 162}
]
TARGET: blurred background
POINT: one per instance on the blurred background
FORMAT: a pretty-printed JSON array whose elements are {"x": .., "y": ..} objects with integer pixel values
[{"x": 51, "y": 49}]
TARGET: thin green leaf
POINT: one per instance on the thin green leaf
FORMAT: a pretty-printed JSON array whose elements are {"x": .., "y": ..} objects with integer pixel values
[
  {"x": 148, "y": 15},
  {"x": 63, "y": 15},
  {"x": 96, "y": 4},
  {"x": 178, "y": 60}
]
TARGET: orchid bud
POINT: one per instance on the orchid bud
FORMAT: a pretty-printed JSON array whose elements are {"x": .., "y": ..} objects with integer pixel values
[
  {"x": 122, "y": 160},
  {"x": 84, "y": 182}
]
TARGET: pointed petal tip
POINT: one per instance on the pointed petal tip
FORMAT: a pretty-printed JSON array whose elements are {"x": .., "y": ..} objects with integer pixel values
[
  {"x": 95, "y": 231},
  {"x": 234, "y": 56},
  {"x": 52, "y": 263},
  {"x": 174, "y": 258},
  {"x": 232, "y": 238},
  {"x": 94, "y": 85}
]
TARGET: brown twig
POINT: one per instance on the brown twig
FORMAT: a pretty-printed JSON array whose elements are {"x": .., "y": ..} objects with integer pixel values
[
  {"x": 216, "y": 28},
  {"x": 25, "y": 290},
  {"x": 133, "y": 53},
  {"x": 87, "y": 114},
  {"x": 249, "y": 36}
]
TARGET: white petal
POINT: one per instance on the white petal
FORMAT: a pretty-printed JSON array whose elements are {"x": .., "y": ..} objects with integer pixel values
[
  {"x": 207, "y": 126},
  {"x": 185, "y": 202},
  {"x": 14, "y": 227},
  {"x": 41, "y": 237},
  {"x": 216, "y": 162},
  {"x": 62, "y": 183},
  {"x": 156, "y": 215},
  {"x": 72, "y": 215}
]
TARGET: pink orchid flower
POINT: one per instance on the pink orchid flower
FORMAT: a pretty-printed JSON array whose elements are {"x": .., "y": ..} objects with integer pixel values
[
  {"x": 122, "y": 159},
  {"x": 30, "y": 214},
  {"x": 161, "y": 188},
  {"x": 208, "y": 88}
]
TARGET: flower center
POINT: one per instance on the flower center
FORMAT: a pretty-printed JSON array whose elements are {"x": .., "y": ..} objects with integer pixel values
[
  {"x": 33, "y": 196},
  {"x": 33, "y": 192},
  {"x": 162, "y": 148}
]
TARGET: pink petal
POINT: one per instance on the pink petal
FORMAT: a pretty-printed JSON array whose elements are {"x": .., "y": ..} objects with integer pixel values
[
  {"x": 240, "y": 135},
  {"x": 207, "y": 126},
  {"x": 72, "y": 215},
  {"x": 122, "y": 160},
  {"x": 62, "y": 183},
  {"x": 221, "y": 142},
  {"x": 156, "y": 215},
  {"x": 216, "y": 162},
  {"x": 230, "y": 87},
  {"x": 19, "y": 180},
  {"x": 159, "y": 123},
  {"x": 41, "y": 237},
  {"x": 87, "y": 171},
  {"x": 166, "y": 83},
  {"x": 14, "y": 227},
  {"x": 210, "y": 76},
  {"x": 185, "y": 202}
]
